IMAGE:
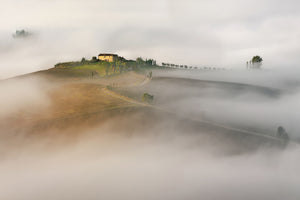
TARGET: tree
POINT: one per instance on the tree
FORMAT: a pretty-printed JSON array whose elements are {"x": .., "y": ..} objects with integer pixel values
[
  {"x": 132, "y": 65},
  {"x": 281, "y": 133},
  {"x": 106, "y": 66},
  {"x": 114, "y": 66},
  {"x": 94, "y": 59},
  {"x": 150, "y": 62},
  {"x": 21, "y": 34},
  {"x": 147, "y": 97},
  {"x": 127, "y": 66},
  {"x": 256, "y": 61},
  {"x": 120, "y": 66},
  {"x": 83, "y": 60},
  {"x": 140, "y": 61}
]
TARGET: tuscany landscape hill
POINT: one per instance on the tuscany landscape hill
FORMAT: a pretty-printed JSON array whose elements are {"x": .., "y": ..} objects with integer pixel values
[{"x": 74, "y": 98}]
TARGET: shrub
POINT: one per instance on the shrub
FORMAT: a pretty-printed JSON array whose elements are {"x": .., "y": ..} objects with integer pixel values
[{"x": 147, "y": 97}]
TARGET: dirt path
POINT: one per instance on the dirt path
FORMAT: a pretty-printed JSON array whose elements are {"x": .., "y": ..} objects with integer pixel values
[{"x": 124, "y": 98}]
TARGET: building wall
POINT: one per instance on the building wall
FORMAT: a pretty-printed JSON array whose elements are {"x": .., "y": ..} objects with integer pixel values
[{"x": 108, "y": 58}]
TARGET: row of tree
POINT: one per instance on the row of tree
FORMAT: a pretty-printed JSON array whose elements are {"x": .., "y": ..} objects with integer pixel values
[
  {"x": 190, "y": 67},
  {"x": 148, "y": 62},
  {"x": 174, "y": 65},
  {"x": 254, "y": 63}
]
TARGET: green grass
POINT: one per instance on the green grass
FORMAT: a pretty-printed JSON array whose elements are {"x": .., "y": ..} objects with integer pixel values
[
  {"x": 100, "y": 69},
  {"x": 84, "y": 70},
  {"x": 94, "y": 69}
]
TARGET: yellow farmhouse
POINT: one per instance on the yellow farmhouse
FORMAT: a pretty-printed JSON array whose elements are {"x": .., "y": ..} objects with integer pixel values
[{"x": 108, "y": 57}]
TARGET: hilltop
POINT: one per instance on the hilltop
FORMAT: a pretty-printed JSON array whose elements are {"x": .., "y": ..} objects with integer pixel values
[{"x": 103, "y": 67}]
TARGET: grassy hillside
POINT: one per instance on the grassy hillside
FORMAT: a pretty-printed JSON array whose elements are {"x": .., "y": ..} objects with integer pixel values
[
  {"x": 96, "y": 68},
  {"x": 74, "y": 101},
  {"x": 77, "y": 92}
]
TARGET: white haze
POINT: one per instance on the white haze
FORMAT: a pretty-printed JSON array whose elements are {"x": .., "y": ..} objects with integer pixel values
[
  {"x": 273, "y": 103},
  {"x": 161, "y": 162},
  {"x": 149, "y": 168},
  {"x": 22, "y": 94}
]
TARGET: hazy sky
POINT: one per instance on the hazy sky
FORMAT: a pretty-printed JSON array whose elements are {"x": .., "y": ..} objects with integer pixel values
[{"x": 196, "y": 32}]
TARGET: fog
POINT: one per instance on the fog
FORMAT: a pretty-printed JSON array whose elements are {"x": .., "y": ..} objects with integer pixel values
[
  {"x": 149, "y": 168},
  {"x": 23, "y": 94},
  {"x": 168, "y": 154}
]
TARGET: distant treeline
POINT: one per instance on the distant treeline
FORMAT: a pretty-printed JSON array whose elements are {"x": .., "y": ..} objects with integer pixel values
[
  {"x": 170, "y": 65},
  {"x": 122, "y": 64},
  {"x": 21, "y": 34}
]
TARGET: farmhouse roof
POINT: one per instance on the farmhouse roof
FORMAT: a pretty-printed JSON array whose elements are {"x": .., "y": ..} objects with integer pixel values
[{"x": 107, "y": 54}]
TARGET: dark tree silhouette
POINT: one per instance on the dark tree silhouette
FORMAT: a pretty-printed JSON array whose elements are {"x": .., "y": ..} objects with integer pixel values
[
  {"x": 21, "y": 34},
  {"x": 256, "y": 62},
  {"x": 281, "y": 133},
  {"x": 147, "y": 97}
]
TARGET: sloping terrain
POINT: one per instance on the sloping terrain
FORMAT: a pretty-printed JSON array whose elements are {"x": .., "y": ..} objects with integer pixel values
[
  {"x": 73, "y": 102},
  {"x": 78, "y": 104}
]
